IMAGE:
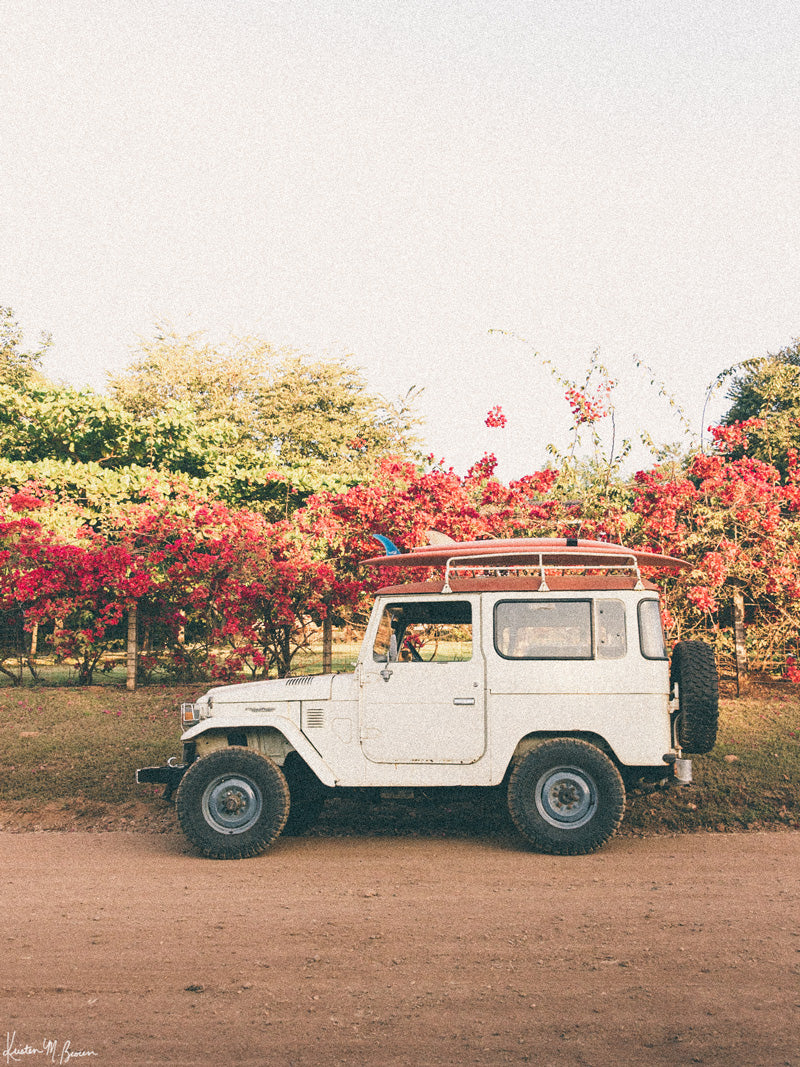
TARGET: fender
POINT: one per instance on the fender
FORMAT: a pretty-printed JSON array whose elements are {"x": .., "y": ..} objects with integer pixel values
[{"x": 284, "y": 726}]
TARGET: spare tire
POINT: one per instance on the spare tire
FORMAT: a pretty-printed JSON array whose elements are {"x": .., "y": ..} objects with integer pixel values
[{"x": 694, "y": 671}]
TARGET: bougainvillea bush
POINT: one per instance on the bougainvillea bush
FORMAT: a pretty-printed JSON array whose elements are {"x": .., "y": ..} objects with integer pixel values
[
  {"x": 224, "y": 592},
  {"x": 738, "y": 522},
  {"x": 216, "y": 591},
  {"x": 732, "y": 516}
]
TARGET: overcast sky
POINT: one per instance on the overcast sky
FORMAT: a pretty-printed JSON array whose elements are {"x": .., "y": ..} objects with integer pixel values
[{"x": 396, "y": 179}]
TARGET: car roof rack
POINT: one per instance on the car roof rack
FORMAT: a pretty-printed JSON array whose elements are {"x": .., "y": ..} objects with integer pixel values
[{"x": 542, "y": 562}]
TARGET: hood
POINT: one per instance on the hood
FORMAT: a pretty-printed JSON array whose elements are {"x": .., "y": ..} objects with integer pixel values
[{"x": 300, "y": 687}]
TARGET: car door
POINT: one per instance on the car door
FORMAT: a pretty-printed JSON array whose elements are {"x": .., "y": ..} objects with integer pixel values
[{"x": 422, "y": 698}]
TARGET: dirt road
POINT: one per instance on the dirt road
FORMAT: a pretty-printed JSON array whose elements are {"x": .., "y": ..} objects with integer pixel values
[{"x": 388, "y": 950}]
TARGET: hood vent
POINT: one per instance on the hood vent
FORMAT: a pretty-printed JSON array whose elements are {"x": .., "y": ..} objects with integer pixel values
[
  {"x": 300, "y": 679},
  {"x": 313, "y": 718}
]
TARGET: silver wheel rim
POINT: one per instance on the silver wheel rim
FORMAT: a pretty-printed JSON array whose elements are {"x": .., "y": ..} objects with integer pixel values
[
  {"x": 566, "y": 797},
  {"x": 232, "y": 805}
]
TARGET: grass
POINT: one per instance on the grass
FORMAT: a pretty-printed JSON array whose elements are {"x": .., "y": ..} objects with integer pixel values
[
  {"x": 113, "y": 673},
  {"x": 751, "y": 780},
  {"x": 73, "y": 753},
  {"x": 65, "y": 743}
]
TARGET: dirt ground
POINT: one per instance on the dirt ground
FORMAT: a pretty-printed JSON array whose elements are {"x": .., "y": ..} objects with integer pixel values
[{"x": 385, "y": 949}]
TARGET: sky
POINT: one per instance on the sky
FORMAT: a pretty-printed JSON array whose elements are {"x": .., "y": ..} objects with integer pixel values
[{"x": 447, "y": 191}]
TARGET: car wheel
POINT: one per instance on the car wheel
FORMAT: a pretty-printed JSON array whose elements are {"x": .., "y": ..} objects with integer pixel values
[
  {"x": 566, "y": 797},
  {"x": 232, "y": 803},
  {"x": 694, "y": 671}
]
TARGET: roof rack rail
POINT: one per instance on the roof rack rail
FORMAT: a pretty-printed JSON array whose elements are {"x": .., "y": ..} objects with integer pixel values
[{"x": 537, "y": 562}]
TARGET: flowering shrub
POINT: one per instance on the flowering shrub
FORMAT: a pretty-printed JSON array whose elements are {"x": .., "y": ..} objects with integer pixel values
[
  {"x": 738, "y": 522},
  {"x": 227, "y": 591},
  {"x": 219, "y": 587}
]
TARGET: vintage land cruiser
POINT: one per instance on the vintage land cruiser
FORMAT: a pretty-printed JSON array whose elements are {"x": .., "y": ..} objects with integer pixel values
[{"x": 536, "y": 666}]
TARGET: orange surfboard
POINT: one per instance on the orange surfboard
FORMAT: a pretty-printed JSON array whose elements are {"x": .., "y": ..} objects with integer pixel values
[{"x": 520, "y": 551}]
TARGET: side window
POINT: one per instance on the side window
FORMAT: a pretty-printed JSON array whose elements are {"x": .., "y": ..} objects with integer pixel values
[
  {"x": 651, "y": 632},
  {"x": 425, "y": 632},
  {"x": 543, "y": 629},
  {"x": 611, "y": 638},
  {"x": 380, "y": 650}
]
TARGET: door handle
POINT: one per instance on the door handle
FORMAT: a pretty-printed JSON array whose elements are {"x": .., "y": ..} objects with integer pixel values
[{"x": 464, "y": 701}]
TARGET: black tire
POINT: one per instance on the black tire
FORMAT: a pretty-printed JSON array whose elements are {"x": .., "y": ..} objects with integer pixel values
[
  {"x": 232, "y": 803},
  {"x": 694, "y": 671},
  {"x": 566, "y": 797},
  {"x": 307, "y": 796}
]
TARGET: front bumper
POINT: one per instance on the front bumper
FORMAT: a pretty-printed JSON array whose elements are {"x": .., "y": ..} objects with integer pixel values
[{"x": 169, "y": 776}]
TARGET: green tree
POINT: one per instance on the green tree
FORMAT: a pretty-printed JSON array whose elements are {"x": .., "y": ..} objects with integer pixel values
[
  {"x": 314, "y": 411},
  {"x": 239, "y": 421},
  {"x": 281, "y": 410},
  {"x": 45, "y": 421},
  {"x": 765, "y": 393},
  {"x": 60, "y": 423},
  {"x": 215, "y": 381},
  {"x": 18, "y": 366}
]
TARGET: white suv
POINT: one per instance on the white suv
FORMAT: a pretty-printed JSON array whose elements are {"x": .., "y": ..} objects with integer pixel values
[{"x": 554, "y": 684}]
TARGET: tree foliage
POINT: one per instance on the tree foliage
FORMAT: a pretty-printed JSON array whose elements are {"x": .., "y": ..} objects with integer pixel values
[
  {"x": 238, "y": 421},
  {"x": 19, "y": 366},
  {"x": 280, "y": 409},
  {"x": 765, "y": 397}
]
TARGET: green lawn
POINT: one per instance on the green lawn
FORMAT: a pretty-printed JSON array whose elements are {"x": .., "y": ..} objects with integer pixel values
[
  {"x": 751, "y": 780},
  {"x": 76, "y": 750}
]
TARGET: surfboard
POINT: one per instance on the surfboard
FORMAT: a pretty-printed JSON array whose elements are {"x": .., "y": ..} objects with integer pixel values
[{"x": 528, "y": 551}]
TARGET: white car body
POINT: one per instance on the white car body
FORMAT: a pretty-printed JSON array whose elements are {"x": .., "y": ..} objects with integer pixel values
[{"x": 426, "y": 724}]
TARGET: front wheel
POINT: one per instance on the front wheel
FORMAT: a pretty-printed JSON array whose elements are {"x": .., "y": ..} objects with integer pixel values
[
  {"x": 566, "y": 797},
  {"x": 232, "y": 803}
]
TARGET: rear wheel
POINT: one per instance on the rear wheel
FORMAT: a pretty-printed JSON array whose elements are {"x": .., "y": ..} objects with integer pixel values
[
  {"x": 232, "y": 803},
  {"x": 566, "y": 797}
]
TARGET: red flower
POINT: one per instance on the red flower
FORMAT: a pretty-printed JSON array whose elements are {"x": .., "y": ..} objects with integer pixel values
[
  {"x": 587, "y": 408},
  {"x": 495, "y": 418},
  {"x": 484, "y": 468},
  {"x": 702, "y": 597}
]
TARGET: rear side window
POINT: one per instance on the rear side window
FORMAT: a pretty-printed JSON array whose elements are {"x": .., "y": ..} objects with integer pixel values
[
  {"x": 543, "y": 629},
  {"x": 651, "y": 632},
  {"x": 611, "y": 639}
]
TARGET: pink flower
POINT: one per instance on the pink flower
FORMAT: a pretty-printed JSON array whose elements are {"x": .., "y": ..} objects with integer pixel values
[
  {"x": 587, "y": 408},
  {"x": 702, "y": 598}
]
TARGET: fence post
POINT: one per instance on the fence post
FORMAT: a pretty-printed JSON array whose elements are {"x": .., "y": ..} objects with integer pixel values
[
  {"x": 327, "y": 646},
  {"x": 130, "y": 661},
  {"x": 32, "y": 650},
  {"x": 739, "y": 643}
]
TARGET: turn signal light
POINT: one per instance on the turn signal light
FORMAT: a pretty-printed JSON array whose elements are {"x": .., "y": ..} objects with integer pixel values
[{"x": 190, "y": 714}]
